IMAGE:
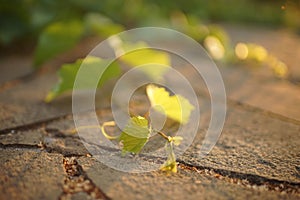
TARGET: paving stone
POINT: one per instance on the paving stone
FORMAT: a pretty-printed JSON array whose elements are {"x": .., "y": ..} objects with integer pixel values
[
  {"x": 252, "y": 143},
  {"x": 158, "y": 185},
  {"x": 22, "y": 100},
  {"x": 24, "y": 104},
  {"x": 65, "y": 145},
  {"x": 31, "y": 137},
  {"x": 27, "y": 174},
  {"x": 278, "y": 97},
  {"x": 13, "y": 67},
  {"x": 52, "y": 140}
]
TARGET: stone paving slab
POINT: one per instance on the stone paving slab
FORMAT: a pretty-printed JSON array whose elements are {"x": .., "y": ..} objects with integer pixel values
[
  {"x": 13, "y": 67},
  {"x": 253, "y": 86},
  {"x": 24, "y": 104},
  {"x": 237, "y": 150},
  {"x": 256, "y": 157},
  {"x": 252, "y": 142},
  {"x": 30, "y": 174},
  {"x": 279, "y": 97},
  {"x": 186, "y": 184}
]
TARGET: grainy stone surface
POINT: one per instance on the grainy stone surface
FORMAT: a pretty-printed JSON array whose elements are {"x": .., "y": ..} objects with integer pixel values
[
  {"x": 29, "y": 174},
  {"x": 253, "y": 142},
  {"x": 24, "y": 104},
  {"x": 30, "y": 137},
  {"x": 13, "y": 67},
  {"x": 158, "y": 185}
]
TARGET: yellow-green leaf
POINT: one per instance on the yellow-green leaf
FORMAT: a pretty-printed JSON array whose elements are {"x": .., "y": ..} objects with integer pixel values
[
  {"x": 58, "y": 37},
  {"x": 175, "y": 107},
  {"x": 68, "y": 72},
  {"x": 176, "y": 140},
  {"x": 135, "y": 135},
  {"x": 145, "y": 55}
]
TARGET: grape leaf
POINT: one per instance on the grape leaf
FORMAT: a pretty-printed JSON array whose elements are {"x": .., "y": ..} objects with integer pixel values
[
  {"x": 135, "y": 134},
  {"x": 58, "y": 37},
  {"x": 68, "y": 72},
  {"x": 175, "y": 107},
  {"x": 141, "y": 54}
]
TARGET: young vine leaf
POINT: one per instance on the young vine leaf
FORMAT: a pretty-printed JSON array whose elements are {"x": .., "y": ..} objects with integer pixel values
[
  {"x": 175, "y": 107},
  {"x": 57, "y": 38},
  {"x": 141, "y": 54},
  {"x": 176, "y": 140},
  {"x": 135, "y": 135},
  {"x": 68, "y": 72}
]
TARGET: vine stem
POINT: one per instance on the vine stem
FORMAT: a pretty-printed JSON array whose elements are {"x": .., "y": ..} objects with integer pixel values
[
  {"x": 109, "y": 123},
  {"x": 168, "y": 138}
]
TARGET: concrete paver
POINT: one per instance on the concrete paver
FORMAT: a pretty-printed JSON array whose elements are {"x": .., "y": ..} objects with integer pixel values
[
  {"x": 256, "y": 157},
  {"x": 27, "y": 174}
]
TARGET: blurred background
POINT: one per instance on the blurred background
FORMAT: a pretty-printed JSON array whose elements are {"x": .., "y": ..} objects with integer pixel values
[
  {"x": 22, "y": 20},
  {"x": 47, "y": 28}
]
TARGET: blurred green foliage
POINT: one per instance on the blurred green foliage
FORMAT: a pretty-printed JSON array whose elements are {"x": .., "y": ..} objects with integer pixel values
[
  {"x": 57, "y": 26},
  {"x": 21, "y": 19}
]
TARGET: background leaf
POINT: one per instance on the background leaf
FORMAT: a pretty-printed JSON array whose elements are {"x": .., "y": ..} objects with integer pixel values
[
  {"x": 57, "y": 38},
  {"x": 144, "y": 56},
  {"x": 68, "y": 72},
  {"x": 135, "y": 135},
  {"x": 175, "y": 107}
]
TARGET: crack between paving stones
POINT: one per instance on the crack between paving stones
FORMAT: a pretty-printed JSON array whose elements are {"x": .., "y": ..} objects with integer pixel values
[
  {"x": 39, "y": 124},
  {"x": 247, "y": 180},
  {"x": 19, "y": 146},
  {"x": 33, "y": 126},
  {"x": 39, "y": 147},
  {"x": 243, "y": 179},
  {"x": 248, "y": 107},
  {"x": 76, "y": 181}
]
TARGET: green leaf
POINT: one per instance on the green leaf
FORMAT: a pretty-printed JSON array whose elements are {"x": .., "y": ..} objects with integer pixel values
[
  {"x": 175, "y": 107},
  {"x": 68, "y": 72},
  {"x": 58, "y": 37},
  {"x": 101, "y": 25},
  {"x": 135, "y": 135},
  {"x": 141, "y": 54}
]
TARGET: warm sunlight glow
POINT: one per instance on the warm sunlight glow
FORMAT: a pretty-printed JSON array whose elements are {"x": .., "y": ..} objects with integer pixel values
[
  {"x": 241, "y": 51},
  {"x": 215, "y": 47}
]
